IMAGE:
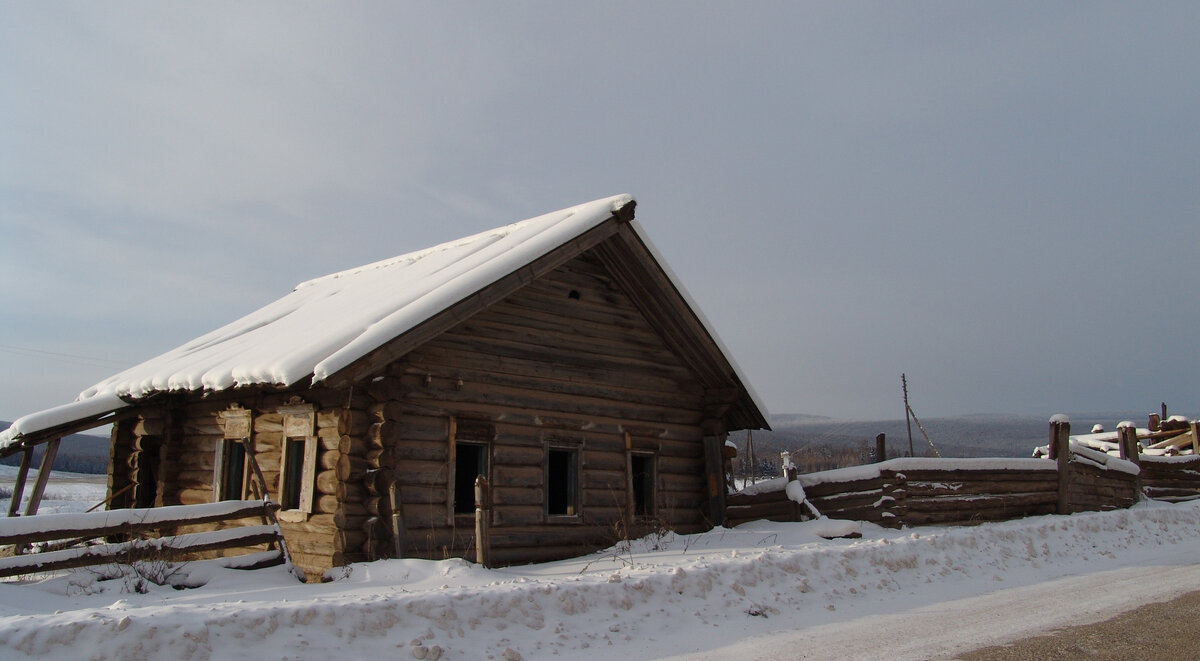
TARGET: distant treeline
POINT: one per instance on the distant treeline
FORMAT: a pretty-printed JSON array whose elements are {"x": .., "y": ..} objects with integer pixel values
[{"x": 77, "y": 453}]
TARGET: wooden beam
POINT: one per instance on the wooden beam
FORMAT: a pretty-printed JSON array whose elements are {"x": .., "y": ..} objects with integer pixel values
[
  {"x": 58, "y": 431},
  {"x": 19, "y": 486},
  {"x": 39, "y": 487}
]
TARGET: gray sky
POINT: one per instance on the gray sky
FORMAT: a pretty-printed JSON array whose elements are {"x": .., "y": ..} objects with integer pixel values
[{"x": 999, "y": 199}]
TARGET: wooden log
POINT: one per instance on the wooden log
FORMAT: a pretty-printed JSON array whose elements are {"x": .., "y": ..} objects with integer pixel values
[
  {"x": 355, "y": 422},
  {"x": 514, "y": 455},
  {"x": 352, "y": 445},
  {"x": 328, "y": 482},
  {"x": 428, "y": 473},
  {"x": 325, "y": 504},
  {"x": 328, "y": 419},
  {"x": 434, "y": 451},
  {"x": 827, "y": 488},
  {"x": 423, "y": 495},
  {"x": 750, "y": 499},
  {"x": 519, "y": 476},
  {"x": 149, "y": 426},
  {"x": 963, "y": 488},
  {"x": 505, "y": 496},
  {"x": 980, "y": 502},
  {"x": 518, "y": 515}
]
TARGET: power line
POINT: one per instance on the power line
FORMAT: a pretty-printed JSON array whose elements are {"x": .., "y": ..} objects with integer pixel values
[{"x": 65, "y": 357}]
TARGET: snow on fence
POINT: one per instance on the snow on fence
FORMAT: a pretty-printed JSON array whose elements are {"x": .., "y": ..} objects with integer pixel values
[
  {"x": 920, "y": 491},
  {"x": 73, "y": 529}
]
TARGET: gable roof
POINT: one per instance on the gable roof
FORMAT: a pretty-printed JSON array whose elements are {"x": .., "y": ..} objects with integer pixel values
[{"x": 345, "y": 323}]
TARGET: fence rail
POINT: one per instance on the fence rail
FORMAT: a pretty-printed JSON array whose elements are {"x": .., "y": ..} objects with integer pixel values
[{"x": 147, "y": 532}]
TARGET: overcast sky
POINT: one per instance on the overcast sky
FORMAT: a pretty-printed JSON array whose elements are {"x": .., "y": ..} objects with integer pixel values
[{"x": 999, "y": 199}]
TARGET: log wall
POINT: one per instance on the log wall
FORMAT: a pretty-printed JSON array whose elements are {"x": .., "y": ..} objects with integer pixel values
[
  {"x": 186, "y": 434},
  {"x": 567, "y": 362}
]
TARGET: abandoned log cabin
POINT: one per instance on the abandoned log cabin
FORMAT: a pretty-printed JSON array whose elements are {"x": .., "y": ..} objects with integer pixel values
[{"x": 558, "y": 357}]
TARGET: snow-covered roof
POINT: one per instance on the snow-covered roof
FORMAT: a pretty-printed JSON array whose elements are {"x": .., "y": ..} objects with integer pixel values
[{"x": 327, "y": 323}]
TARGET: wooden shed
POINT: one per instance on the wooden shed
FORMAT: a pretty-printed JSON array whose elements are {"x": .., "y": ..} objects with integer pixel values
[{"x": 558, "y": 357}]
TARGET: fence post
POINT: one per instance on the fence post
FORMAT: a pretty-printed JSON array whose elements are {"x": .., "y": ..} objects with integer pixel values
[
  {"x": 483, "y": 507},
  {"x": 1060, "y": 450},
  {"x": 1130, "y": 449},
  {"x": 880, "y": 448}
]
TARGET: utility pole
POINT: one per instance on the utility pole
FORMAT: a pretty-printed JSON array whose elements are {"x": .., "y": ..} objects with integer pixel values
[{"x": 907, "y": 415}]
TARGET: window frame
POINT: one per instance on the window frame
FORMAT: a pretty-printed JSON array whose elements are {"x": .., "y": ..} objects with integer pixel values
[
  {"x": 650, "y": 483},
  {"x": 574, "y": 481},
  {"x": 237, "y": 425},
  {"x": 299, "y": 427},
  {"x": 473, "y": 432}
]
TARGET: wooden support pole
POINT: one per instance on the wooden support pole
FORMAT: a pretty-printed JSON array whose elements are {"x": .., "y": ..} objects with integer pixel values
[
  {"x": 397, "y": 520},
  {"x": 39, "y": 487},
  {"x": 881, "y": 448},
  {"x": 716, "y": 483},
  {"x": 482, "y": 510},
  {"x": 629, "y": 498},
  {"x": 1195, "y": 437},
  {"x": 1060, "y": 450},
  {"x": 23, "y": 474}
]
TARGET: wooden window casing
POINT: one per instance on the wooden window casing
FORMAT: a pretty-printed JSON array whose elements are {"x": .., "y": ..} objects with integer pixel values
[
  {"x": 231, "y": 480},
  {"x": 643, "y": 477},
  {"x": 231, "y": 471},
  {"x": 562, "y": 482},
  {"x": 470, "y": 455},
  {"x": 470, "y": 462},
  {"x": 298, "y": 462}
]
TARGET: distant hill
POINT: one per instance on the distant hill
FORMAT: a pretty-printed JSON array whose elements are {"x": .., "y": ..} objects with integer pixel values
[
  {"x": 977, "y": 435},
  {"x": 78, "y": 453}
]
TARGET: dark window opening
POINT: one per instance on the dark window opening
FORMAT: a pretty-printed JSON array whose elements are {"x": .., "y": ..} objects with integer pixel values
[
  {"x": 470, "y": 461},
  {"x": 573, "y": 294},
  {"x": 643, "y": 484},
  {"x": 146, "y": 491},
  {"x": 293, "y": 476},
  {"x": 233, "y": 471},
  {"x": 561, "y": 483}
]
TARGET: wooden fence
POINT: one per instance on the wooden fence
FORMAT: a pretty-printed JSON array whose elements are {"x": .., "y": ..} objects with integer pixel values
[
  {"x": 921, "y": 491},
  {"x": 144, "y": 535}
]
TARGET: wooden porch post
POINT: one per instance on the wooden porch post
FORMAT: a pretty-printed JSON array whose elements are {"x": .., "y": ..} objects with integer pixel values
[
  {"x": 39, "y": 487},
  {"x": 482, "y": 508},
  {"x": 19, "y": 487}
]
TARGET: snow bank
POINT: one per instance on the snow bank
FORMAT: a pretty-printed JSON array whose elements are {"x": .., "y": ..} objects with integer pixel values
[{"x": 657, "y": 597}]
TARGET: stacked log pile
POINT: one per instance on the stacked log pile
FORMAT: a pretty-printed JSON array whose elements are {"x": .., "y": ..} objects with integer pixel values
[
  {"x": 1173, "y": 479},
  {"x": 946, "y": 491}
]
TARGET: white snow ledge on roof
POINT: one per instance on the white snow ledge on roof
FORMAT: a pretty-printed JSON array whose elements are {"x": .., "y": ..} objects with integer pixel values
[
  {"x": 327, "y": 323},
  {"x": 60, "y": 415}
]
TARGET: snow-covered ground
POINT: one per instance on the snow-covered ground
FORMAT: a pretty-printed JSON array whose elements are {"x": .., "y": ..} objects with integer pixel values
[
  {"x": 758, "y": 591},
  {"x": 65, "y": 492}
]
